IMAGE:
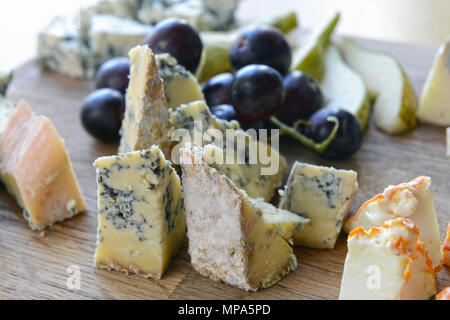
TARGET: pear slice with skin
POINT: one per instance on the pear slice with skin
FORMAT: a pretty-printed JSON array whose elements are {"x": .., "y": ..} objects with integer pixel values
[
  {"x": 434, "y": 104},
  {"x": 344, "y": 88},
  {"x": 395, "y": 101},
  {"x": 309, "y": 57}
]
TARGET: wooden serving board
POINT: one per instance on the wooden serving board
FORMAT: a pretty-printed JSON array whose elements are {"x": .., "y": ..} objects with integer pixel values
[{"x": 34, "y": 265}]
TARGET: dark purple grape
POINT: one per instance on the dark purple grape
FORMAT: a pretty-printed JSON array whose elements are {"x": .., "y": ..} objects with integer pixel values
[
  {"x": 102, "y": 114},
  {"x": 227, "y": 112},
  {"x": 257, "y": 92},
  {"x": 178, "y": 38},
  {"x": 114, "y": 74},
  {"x": 349, "y": 135},
  {"x": 218, "y": 89},
  {"x": 261, "y": 45},
  {"x": 302, "y": 97}
]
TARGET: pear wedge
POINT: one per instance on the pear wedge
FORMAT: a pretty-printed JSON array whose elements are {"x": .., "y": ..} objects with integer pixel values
[
  {"x": 344, "y": 88},
  {"x": 309, "y": 57},
  {"x": 217, "y": 45},
  {"x": 395, "y": 101},
  {"x": 434, "y": 106}
]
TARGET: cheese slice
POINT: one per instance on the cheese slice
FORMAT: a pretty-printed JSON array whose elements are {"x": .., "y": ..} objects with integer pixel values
[
  {"x": 141, "y": 221},
  {"x": 446, "y": 248},
  {"x": 228, "y": 237},
  {"x": 322, "y": 194},
  {"x": 284, "y": 222},
  {"x": 434, "y": 106},
  {"x": 412, "y": 200},
  {"x": 387, "y": 263},
  {"x": 241, "y": 162},
  {"x": 444, "y": 294},
  {"x": 36, "y": 169}
]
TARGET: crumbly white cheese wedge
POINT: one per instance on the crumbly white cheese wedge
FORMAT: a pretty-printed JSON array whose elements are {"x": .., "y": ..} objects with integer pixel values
[
  {"x": 36, "y": 169},
  {"x": 6, "y": 111},
  {"x": 141, "y": 221},
  {"x": 413, "y": 200},
  {"x": 284, "y": 222},
  {"x": 387, "y": 263},
  {"x": 180, "y": 86},
  {"x": 228, "y": 237},
  {"x": 241, "y": 162},
  {"x": 322, "y": 194},
  {"x": 114, "y": 37},
  {"x": 5, "y": 79},
  {"x": 434, "y": 106},
  {"x": 61, "y": 49},
  {"x": 193, "y": 11},
  {"x": 444, "y": 294},
  {"x": 146, "y": 120},
  {"x": 446, "y": 248}
]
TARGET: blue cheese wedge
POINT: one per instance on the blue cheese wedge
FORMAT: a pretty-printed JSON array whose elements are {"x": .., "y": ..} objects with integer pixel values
[
  {"x": 223, "y": 12},
  {"x": 322, "y": 194},
  {"x": 114, "y": 37},
  {"x": 118, "y": 8},
  {"x": 246, "y": 172},
  {"x": 141, "y": 221},
  {"x": 229, "y": 240},
  {"x": 412, "y": 200},
  {"x": 61, "y": 49},
  {"x": 387, "y": 263},
  {"x": 5, "y": 79}
]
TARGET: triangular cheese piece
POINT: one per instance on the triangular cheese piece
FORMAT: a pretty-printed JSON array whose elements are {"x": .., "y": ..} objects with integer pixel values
[
  {"x": 412, "y": 200},
  {"x": 36, "y": 169},
  {"x": 228, "y": 237}
]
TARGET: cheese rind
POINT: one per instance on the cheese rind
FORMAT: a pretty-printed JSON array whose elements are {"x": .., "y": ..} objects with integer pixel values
[
  {"x": 412, "y": 200},
  {"x": 36, "y": 169},
  {"x": 387, "y": 262},
  {"x": 446, "y": 248},
  {"x": 228, "y": 237},
  {"x": 242, "y": 161},
  {"x": 322, "y": 194},
  {"x": 141, "y": 221}
]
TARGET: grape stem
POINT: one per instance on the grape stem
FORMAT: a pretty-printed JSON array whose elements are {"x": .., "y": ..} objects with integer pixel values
[{"x": 308, "y": 142}]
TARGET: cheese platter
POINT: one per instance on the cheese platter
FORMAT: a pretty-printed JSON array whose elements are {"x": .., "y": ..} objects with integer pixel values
[{"x": 59, "y": 261}]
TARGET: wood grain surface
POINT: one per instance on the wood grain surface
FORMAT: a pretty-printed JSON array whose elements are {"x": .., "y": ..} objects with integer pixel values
[{"x": 34, "y": 265}]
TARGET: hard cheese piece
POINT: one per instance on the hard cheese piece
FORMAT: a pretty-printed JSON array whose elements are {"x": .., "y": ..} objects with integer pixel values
[
  {"x": 6, "y": 111},
  {"x": 180, "y": 86},
  {"x": 322, "y": 194},
  {"x": 61, "y": 49},
  {"x": 146, "y": 120},
  {"x": 435, "y": 101},
  {"x": 245, "y": 167},
  {"x": 412, "y": 200},
  {"x": 387, "y": 262},
  {"x": 141, "y": 221},
  {"x": 444, "y": 294},
  {"x": 36, "y": 169},
  {"x": 446, "y": 248},
  {"x": 5, "y": 79},
  {"x": 114, "y": 37},
  {"x": 284, "y": 222},
  {"x": 228, "y": 238}
]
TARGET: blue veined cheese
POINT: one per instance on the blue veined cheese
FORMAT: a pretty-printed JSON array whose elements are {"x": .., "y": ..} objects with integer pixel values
[
  {"x": 5, "y": 79},
  {"x": 112, "y": 37},
  {"x": 141, "y": 221},
  {"x": 229, "y": 239},
  {"x": 6, "y": 110},
  {"x": 246, "y": 174},
  {"x": 118, "y": 8},
  {"x": 223, "y": 11},
  {"x": 180, "y": 85},
  {"x": 61, "y": 49},
  {"x": 193, "y": 11},
  {"x": 322, "y": 194}
]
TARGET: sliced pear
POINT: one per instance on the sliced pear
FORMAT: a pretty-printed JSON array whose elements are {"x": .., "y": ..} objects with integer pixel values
[
  {"x": 434, "y": 104},
  {"x": 217, "y": 45},
  {"x": 309, "y": 57},
  {"x": 344, "y": 88},
  {"x": 396, "y": 103}
]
